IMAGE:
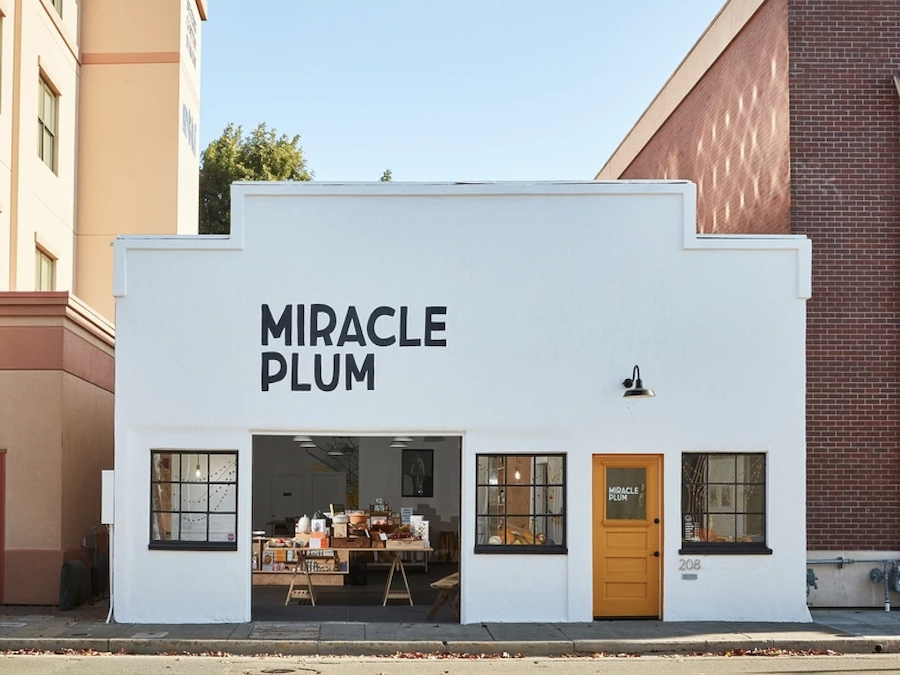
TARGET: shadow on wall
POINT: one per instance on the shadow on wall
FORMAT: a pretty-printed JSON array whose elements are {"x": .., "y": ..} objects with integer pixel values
[{"x": 443, "y": 534}]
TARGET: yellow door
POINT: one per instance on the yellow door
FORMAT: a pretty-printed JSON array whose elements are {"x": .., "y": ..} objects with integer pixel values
[{"x": 627, "y": 535}]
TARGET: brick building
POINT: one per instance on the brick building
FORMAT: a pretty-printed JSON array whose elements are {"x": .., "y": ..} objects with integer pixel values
[{"x": 786, "y": 116}]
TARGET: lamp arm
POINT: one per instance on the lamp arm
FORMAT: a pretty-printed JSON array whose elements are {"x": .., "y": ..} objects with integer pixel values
[{"x": 635, "y": 376}]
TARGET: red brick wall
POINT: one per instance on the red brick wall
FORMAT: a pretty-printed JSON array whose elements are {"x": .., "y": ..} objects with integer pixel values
[
  {"x": 730, "y": 134},
  {"x": 837, "y": 106},
  {"x": 845, "y": 195}
]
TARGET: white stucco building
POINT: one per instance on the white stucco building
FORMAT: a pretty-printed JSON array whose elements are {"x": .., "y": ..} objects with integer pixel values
[{"x": 505, "y": 316}]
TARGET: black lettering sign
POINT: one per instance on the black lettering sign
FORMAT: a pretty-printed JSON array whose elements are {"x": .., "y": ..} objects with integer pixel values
[
  {"x": 296, "y": 384},
  {"x": 335, "y": 372},
  {"x": 351, "y": 321},
  {"x": 404, "y": 340},
  {"x": 267, "y": 376},
  {"x": 367, "y": 371},
  {"x": 370, "y": 327},
  {"x": 275, "y": 329},
  {"x": 315, "y": 332},
  {"x": 320, "y": 324},
  {"x": 432, "y": 326}
]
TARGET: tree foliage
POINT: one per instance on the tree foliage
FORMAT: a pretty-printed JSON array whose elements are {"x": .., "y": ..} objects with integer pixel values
[
  {"x": 260, "y": 155},
  {"x": 387, "y": 176}
]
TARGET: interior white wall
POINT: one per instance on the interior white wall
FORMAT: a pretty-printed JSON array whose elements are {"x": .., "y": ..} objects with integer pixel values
[
  {"x": 280, "y": 456},
  {"x": 379, "y": 476},
  {"x": 380, "y": 472},
  {"x": 554, "y": 292}
]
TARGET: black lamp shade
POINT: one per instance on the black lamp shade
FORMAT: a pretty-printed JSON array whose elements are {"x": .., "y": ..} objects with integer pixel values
[{"x": 638, "y": 391}]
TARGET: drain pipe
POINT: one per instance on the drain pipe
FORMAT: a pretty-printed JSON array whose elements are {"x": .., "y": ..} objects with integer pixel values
[{"x": 109, "y": 616}]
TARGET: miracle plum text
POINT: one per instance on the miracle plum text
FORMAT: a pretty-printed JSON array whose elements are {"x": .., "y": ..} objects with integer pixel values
[{"x": 314, "y": 325}]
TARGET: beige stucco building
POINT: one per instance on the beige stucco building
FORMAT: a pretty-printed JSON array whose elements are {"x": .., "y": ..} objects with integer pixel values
[{"x": 99, "y": 114}]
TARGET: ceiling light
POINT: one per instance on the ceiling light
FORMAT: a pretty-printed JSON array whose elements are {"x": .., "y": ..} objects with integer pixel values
[
  {"x": 302, "y": 439},
  {"x": 403, "y": 439},
  {"x": 398, "y": 444},
  {"x": 309, "y": 444},
  {"x": 336, "y": 453}
]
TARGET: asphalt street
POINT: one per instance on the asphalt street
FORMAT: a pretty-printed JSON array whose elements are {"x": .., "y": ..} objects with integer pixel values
[{"x": 646, "y": 665}]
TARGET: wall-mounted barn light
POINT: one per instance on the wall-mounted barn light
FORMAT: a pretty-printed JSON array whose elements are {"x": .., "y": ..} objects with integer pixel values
[{"x": 635, "y": 381}]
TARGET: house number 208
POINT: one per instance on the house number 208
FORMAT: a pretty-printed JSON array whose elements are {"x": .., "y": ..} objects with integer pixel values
[{"x": 686, "y": 564}]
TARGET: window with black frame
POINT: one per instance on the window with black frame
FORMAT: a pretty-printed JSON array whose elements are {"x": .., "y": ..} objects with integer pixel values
[
  {"x": 723, "y": 503},
  {"x": 193, "y": 500},
  {"x": 520, "y": 504}
]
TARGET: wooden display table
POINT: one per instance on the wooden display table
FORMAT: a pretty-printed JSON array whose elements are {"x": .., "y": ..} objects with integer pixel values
[
  {"x": 305, "y": 592},
  {"x": 394, "y": 548},
  {"x": 311, "y": 567},
  {"x": 327, "y": 566}
]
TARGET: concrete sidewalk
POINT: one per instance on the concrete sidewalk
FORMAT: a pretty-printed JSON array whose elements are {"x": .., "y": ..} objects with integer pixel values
[{"x": 846, "y": 631}]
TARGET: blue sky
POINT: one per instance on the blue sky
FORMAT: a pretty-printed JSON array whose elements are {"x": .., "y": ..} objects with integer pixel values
[{"x": 444, "y": 89}]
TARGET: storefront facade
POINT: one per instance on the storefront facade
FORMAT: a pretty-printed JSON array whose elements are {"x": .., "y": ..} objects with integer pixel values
[{"x": 504, "y": 314}]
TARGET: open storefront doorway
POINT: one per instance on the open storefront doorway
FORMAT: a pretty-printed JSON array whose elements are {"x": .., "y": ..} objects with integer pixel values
[{"x": 358, "y": 512}]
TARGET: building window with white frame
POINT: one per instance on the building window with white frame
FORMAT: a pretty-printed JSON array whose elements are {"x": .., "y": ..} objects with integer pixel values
[
  {"x": 48, "y": 112},
  {"x": 520, "y": 504},
  {"x": 723, "y": 503},
  {"x": 193, "y": 500},
  {"x": 44, "y": 271}
]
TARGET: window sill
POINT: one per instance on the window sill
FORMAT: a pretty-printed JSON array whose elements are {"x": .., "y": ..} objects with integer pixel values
[
  {"x": 192, "y": 546},
  {"x": 724, "y": 548},
  {"x": 502, "y": 549}
]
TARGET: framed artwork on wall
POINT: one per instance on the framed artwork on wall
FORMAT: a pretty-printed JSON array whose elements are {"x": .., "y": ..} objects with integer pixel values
[{"x": 418, "y": 473}]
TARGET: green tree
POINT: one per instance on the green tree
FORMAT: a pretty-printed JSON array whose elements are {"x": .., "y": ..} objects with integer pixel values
[
  {"x": 260, "y": 155},
  {"x": 387, "y": 176}
]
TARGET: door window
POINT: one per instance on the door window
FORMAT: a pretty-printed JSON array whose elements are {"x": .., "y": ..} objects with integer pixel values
[{"x": 626, "y": 493}]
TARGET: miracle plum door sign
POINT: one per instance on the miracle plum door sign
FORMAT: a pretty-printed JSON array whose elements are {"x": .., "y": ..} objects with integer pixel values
[{"x": 299, "y": 329}]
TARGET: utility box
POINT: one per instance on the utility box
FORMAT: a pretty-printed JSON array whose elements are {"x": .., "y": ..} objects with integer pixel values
[
  {"x": 107, "y": 496},
  {"x": 894, "y": 578}
]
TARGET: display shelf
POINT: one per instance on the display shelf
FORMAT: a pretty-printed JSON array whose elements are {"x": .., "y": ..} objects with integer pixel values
[
  {"x": 284, "y": 578},
  {"x": 274, "y": 566}
]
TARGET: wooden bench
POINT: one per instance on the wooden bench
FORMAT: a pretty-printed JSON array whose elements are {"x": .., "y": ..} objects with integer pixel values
[{"x": 448, "y": 594}]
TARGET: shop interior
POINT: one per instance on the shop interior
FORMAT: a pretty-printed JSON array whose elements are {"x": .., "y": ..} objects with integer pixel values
[{"x": 350, "y": 528}]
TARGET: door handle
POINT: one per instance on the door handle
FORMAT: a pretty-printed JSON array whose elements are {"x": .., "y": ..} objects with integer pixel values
[
  {"x": 656, "y": 554},
  {"x": 656, "y": 520}
]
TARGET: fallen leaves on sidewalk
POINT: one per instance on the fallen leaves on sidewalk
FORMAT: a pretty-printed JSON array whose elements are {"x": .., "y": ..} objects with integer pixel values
[
  {"x": 62, "y": 652},
  {"x": 450, "y": 655},
  {"x": 772, "y": 651}
]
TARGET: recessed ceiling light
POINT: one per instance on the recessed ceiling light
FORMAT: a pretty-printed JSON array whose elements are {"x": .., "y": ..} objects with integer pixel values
[
  {"x": 336, "y": 453},
  {"x": 302, "y": 439},
  {"x": 403, "y": 439},
  {"x": 398, "y": 444},
  {"x": 309, "y": 444}
]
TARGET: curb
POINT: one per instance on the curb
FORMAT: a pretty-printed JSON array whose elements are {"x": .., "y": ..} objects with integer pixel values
[{"x": 531, "y": 648}]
